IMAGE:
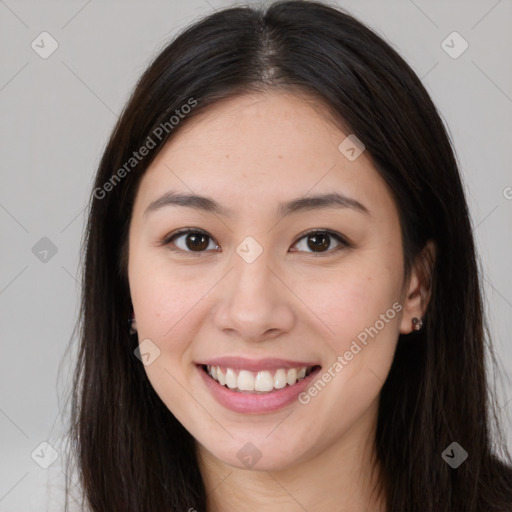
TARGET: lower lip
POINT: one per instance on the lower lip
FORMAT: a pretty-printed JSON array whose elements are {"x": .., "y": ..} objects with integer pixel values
[{"x": 252, "y": 403}]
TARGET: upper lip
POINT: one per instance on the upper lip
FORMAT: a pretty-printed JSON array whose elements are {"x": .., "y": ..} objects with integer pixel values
[{"x": 255, "y": 365}]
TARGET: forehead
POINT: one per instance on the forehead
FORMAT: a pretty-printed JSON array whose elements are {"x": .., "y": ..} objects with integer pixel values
[
  {"x": 264, "y": 123},
  {"x": 262, "y": 148}
]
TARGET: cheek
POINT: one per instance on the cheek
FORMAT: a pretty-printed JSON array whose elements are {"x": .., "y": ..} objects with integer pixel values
[
  {"x": 362, "y": 309},
  {"x": 164, "y": 308},
  {"x": 163, "y": 298},
  {"x": 164, "y": 305},
  {"x": 352, "y": 301}
]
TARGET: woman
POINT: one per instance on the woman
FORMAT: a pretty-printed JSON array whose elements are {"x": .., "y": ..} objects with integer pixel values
[{"x": 280, "y": 216}]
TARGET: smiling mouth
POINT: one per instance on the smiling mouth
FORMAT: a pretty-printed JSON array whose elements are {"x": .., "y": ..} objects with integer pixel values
[{"x": 261, "y": 382}]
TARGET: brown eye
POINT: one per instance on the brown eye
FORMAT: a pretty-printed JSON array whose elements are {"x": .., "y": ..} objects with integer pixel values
[
  {"x": 191, "y": 241},
  {"x": 196, "y": 241},
  {"x": 320, "y": 242}
]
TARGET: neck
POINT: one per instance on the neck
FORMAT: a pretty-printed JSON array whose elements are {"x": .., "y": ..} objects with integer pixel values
[{"x": 345, "y": 477}]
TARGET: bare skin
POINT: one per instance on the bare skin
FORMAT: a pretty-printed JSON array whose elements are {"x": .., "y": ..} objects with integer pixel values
[{"x": 292, "y": 302}]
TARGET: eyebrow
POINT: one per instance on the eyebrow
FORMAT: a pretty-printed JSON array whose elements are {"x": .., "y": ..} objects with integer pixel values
[{"x": 302, "y": 204}]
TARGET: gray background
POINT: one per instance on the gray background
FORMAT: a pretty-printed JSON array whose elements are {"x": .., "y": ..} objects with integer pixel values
[{"x": 58, "y": 112}]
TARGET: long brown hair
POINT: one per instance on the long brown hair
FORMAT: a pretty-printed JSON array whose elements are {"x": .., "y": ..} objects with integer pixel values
[{"x": 131, "y": 452}]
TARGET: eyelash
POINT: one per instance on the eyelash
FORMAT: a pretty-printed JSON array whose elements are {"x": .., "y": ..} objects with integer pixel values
[{"x": 173, "y": 236}]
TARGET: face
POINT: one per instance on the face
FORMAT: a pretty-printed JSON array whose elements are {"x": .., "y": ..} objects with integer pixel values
[{"x": 295, "y": 302}]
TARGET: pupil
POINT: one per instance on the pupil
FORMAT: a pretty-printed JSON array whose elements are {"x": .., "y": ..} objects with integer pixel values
[
  {"x": 193, "y": 239},
  {"x": 321, "y": 241}
]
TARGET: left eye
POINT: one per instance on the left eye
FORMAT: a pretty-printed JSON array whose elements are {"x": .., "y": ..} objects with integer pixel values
[
  {"x": 196, "y": 241},
  {"x": 320, "y": 241}
]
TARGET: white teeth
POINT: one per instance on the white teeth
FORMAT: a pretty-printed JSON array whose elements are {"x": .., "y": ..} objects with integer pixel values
[
  {"x": 291, "y": 376},
  {"x": 280, "y": 379},
  {"x": 245, "y": 381},
  {"x": 263, "y": 381},
  {"x": 220, "y": 376},
  {"x": 231, "y": 379}
]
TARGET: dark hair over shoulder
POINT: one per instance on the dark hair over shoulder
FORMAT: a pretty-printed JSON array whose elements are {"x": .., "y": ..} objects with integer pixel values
[{"x": 132, "y": 453}]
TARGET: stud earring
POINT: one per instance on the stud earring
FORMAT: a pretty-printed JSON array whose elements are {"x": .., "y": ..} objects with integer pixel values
[{"x": 417, "y": 323}]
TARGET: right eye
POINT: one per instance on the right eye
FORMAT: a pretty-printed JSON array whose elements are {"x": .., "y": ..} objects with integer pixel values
[{"x": 189, "y": 240}]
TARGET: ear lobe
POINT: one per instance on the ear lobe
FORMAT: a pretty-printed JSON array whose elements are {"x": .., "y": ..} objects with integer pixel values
[
  {"x": 419, "y": 289},
  {"x": 412, "y": 306}
]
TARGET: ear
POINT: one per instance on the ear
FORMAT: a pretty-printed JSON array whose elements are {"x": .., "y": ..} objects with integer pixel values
[{"x": 419, "y": 287}]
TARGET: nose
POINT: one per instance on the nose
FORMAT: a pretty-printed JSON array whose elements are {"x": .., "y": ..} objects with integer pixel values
[{"x": 255, "y": 305}]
